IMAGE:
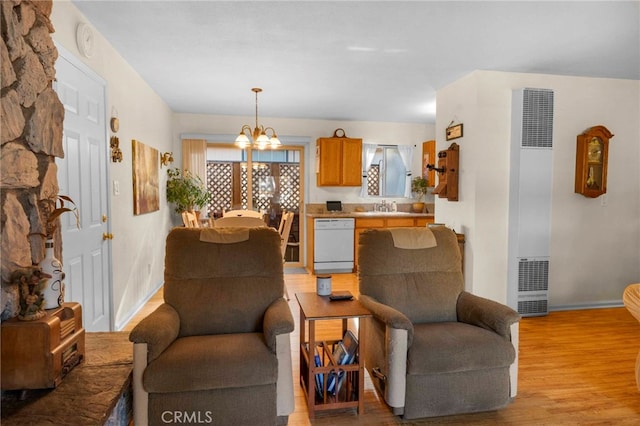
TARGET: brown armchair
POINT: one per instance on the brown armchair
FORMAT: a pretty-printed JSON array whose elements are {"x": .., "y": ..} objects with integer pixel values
[
  {"x": 432, "y": 348},
  {"x": 218, "y": 349}
]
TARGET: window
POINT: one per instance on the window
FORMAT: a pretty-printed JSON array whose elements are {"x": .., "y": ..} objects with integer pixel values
[{"x": 386, "y": 176}]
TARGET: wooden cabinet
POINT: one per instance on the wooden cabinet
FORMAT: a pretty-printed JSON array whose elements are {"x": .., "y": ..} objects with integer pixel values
[
  {"x": 429, "y": 157},
  {"x": 339, "y": 161},
  {"x": 386, "y": 222},
  {"x": 591, "y": 161}
]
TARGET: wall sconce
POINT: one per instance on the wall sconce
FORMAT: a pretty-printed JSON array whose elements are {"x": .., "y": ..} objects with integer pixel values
[
  {"x": 166, "y": 158},
  {"x": 116, "y": 153}
]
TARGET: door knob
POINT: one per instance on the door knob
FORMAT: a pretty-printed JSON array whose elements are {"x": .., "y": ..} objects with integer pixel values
[{"x": 106, "y": 236}]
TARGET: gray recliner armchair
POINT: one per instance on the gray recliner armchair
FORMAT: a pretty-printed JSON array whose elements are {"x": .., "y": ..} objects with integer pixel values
[
  {"x": 433, "y": 349},
  {"x": 218, "y": 350}
]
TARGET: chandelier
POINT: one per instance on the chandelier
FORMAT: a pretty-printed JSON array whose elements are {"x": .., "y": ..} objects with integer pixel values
[{"x": 258, "y": 135}]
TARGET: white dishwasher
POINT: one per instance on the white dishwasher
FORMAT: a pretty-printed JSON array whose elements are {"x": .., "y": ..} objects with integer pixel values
[{"x": 333, "y": 245}]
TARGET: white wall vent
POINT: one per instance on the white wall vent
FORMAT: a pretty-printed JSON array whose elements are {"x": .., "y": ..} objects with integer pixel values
[
  {"x": 530, "y": 186},
  {"x": 533, "y": 286},
  {"x": 537, "y": 118},
  {"x": 533, "y": 275}
]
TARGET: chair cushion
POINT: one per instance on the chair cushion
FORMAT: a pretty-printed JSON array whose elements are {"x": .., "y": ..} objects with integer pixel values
[
  {"x": 212, "y": 362},
  {"x": 449, "y": 347}
]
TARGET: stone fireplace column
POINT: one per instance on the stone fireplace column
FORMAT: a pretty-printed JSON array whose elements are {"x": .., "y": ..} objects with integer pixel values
[{"x": 30, "y": 135}]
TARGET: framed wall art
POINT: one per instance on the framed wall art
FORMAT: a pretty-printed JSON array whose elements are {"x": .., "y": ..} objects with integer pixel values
[
  {"x": 454, "y": 131},
  {"x": 146, "y": 182}
]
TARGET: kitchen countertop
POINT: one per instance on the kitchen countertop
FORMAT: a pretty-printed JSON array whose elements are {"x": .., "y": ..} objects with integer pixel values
[{"x": 369, "y": 214}]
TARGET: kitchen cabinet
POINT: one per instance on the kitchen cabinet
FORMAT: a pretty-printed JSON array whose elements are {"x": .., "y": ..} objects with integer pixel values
[
  {"x": 429, "y": 157},
  {"x": 339, "y": 161}
]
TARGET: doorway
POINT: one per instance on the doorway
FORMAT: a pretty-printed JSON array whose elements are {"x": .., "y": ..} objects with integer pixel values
[
  {"x": 82, "y": 175},
  {"x": 269, "y": 181}
]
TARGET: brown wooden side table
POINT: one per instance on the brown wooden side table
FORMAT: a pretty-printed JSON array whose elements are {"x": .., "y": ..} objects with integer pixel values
[{"x": 317, "y": 308}]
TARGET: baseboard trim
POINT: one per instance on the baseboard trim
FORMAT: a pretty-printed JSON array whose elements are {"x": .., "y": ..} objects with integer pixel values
[
  {"x": 139, "y": 306},
  {"x": 597, "y": 305}
]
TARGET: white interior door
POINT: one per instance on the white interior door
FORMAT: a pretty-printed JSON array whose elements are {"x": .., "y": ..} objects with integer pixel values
[{"x": 82, "y": 175}]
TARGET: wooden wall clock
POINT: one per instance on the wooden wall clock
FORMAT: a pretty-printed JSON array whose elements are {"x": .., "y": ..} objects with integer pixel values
[{"x": 591, "y": 161}]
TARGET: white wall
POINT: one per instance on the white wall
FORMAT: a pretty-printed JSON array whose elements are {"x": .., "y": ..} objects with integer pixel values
[
  {"x": 595, "y": 249},
  {"x": 309, "y": 131},
  {"x": 138, "y": 244}
]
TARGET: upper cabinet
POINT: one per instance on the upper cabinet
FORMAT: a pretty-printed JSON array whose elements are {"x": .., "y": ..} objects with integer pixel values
[
  {"x": 339, "y": 160},
  {"x": 429, "y": 157},
  {"x": 592, "y": 151}
]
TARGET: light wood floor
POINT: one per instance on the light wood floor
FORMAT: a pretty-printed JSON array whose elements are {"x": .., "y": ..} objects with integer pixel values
[{"x": 576, "y": 368}]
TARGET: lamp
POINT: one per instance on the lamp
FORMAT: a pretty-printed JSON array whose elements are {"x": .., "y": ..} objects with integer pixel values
[
  {"x": 166, "y": 158},
  {"x": 258, "y": 135}
]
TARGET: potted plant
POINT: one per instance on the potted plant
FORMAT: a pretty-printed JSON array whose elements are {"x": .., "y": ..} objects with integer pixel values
[
  {"x": 419, "y": 186},
  {"x": 187, "y": 191}
]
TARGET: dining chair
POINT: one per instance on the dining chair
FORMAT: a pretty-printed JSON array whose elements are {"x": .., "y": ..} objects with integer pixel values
[
  {"x": 285, "y": 230},
  {"x": 280, "y": 229},
  {"x": 242, "y": 213},
  {"x": 190, "y": 219},
  {"x": 282, "y": 221}
]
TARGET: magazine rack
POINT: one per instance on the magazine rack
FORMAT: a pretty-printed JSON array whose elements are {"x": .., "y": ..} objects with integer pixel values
[{"x": 348, "y": 379}]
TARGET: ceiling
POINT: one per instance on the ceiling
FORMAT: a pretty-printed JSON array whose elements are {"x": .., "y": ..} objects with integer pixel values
[{"x": 349, "y": 60}]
